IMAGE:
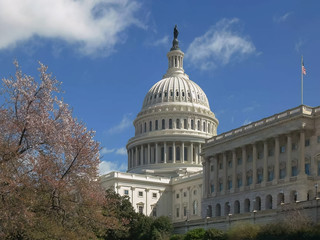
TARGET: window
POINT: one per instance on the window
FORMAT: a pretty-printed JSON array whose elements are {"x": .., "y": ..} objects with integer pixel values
[
  {"x": 177, "y": 212},
  {"x": 239, "y": 182},
  {"x": 212, "y": 188},
  {"x": 230, "y": 164},
  {"x": 171, "y": 93},
  {"x": 195, "y": 192},
  {"x": 178, "y": 153},
  {"x": 211, "y": 168},
  {"x": 184, "y": 211},
  {"x": 195, "y": 208},
  {"x": 259, "y": 177},
  {"x": 177, "y": 94},
  {"x": 282, "y": 173},
  {"x": 220, "y": 186},
  {"x": 182, "y": 94},
  {"x": 185, "y": 124},
  {"x": 178, "y": 123},
  {"x": 220, "y": 165},
  {"x": 199, "y": 125},
  {"x": 162, "y": 154},
  {"x": 163, "y": 124},
  {"x": 156, "y": 125},
  {"x": 260, "y": 155},
  {"x": 307, "y": 168},
  {"x": 155, "y": 96},
  {"x": 160, "y": 95},
  {"x": 249, "y": 158},
  {"x": 170, "y": 153},
  {"x": 270, "y": 152},
  {"x": 150, "y": 126},
  {"x": 282, "y": 149},
  {"x": 307, "y": 143},
  {"x": 294, "y": 171},
  {"x": 239, "y": 161},
  {"x": 145, "y": 127},
  {"x": 184, "y": 194},
  {"x": 140, "y": 194},
  {"x": 249, "y": 180},
  {"x": 154, "y": 212},
  {"x": 294, "y": 146},
  {"x": 229, "y": 184},
  {"x": 185, "y": 154},
  {"x": 192, "y": 124},
  {"x": 165, "y": 94},
  {"x": 140, "y": 209},
  {"x": 204, "y": 126},
  {"x": 177, "y": 196},
  {"x": 154, "y": 195},
  {"x": 126, "y": 192},
  {"x": 270, "y": 175},
  {"x": 170, "y": 123}
]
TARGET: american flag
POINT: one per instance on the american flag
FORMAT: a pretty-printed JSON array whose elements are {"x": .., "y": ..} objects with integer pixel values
[{"x": 303, "y": 69}]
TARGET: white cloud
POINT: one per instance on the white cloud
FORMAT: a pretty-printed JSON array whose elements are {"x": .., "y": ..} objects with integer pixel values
[
  {"x": 107, "y": 166},
  {"x": 121, "y": 151},
  {"x": 221, "y": 44},
  {"x": 105, "y": 150},
  {"x": 282, "y": 18},
  {"x": 160, "y": 42},
  {"x": 298, "y": 45},
  {"x": 91, "y": 26},
  {"x": 125, "y": 123}
]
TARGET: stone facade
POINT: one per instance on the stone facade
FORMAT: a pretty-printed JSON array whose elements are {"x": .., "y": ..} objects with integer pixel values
[{"x": 264, "y": 164}]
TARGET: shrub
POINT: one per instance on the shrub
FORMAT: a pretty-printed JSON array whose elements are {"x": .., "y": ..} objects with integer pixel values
[
  {"x": 245, "y": 231},
  {"x": 195, "y": 234},
  {"x": 214, "y": 234},
  {"x": 177, "y": 237}
]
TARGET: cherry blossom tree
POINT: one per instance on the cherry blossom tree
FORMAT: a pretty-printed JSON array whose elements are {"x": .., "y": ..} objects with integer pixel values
[{"x": 49, "y": 186}]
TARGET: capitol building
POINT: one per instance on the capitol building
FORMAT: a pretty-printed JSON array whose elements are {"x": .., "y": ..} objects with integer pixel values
[{"x": 179, "y": 167}]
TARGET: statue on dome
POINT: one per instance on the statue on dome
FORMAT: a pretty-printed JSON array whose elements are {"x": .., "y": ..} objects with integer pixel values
[
  {"x": 175, "y": 42},
  {"x": 175, "y": 32}
]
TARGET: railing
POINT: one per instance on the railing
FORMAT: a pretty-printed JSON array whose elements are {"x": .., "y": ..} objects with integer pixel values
[{"x": 301, "y": 110}]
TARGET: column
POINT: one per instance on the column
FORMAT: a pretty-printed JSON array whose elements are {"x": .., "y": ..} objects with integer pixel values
[
  {"x": 174, "y": 152},
  {"x": 302, "y": 153},
  {"x": 244, "y": 166},
  {"x": 156, "y": 157},
  {"x": 289, "y": 151},
  {"x": 197, "y": 154},
  {"x": 182, "y": 152},
  {"x": 265, "y": 162},
  {"x": 137, "y": 156},
  {"x": 206, "y": 172},
  {"x": 191, "y": 153},
  {"x": 200, "y": 158},
  {"x": 141, "y": 155},
  {"x": 165, "y": 152},
  {"x": 276, "y": 158},
  {"x": 254, "y": 165},
  {"x": 148, "y": 157},
  {"x": 225, "y": 175},
  {"x": 215, "y": 175},
  {"x": 129, "y": 160},
  {"x": 147, "y": 190},
  {"x": 234, "y": 172}
]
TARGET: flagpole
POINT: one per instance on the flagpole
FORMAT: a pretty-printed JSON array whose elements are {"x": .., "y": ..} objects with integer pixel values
[{"x": 301, "y": 81}]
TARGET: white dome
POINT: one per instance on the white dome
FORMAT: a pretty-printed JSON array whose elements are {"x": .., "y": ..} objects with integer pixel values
[{"x": 177, "y": 89}]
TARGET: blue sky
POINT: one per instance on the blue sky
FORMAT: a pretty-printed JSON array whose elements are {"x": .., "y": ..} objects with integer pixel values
[{"x": 244, "y": 54}]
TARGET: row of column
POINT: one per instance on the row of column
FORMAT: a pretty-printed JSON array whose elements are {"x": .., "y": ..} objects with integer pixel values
[
  {"x": 214, "y": 160},
  {"x": 151, "y": 153}
]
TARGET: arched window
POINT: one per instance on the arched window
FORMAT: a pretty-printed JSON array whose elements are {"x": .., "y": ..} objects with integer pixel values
[
  {"x": 145, "y": 127},
  {"x": 150, "y": 126},
  {"x": 209, "y": 211},
  {"x": 268, "y": 202},
  {"x": 209, "y": 128},
  {"x": 199, "y": 125},
  {"x": 236, "y": 207},
  {"x": 178, "y": 123},
  {"x": 170, "y": 123},
  {"x": 195, "y": 207},
  {"x": 185, "y": 124},
  {"x": 218, "y": 210},
  {"x": 163, "y": 124},
  {"x": 247, "y": 205},
  {"x": 226, "y": 208},
  {"x": 280, "y": 198},
  {"x": 192, "y": 124},
  {"x": 204, "y": 126},
  {"x": 156, "y": 125}
]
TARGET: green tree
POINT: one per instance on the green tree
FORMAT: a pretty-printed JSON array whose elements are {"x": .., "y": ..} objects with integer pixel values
[
  {"x": 214, "y": 234},
  {"x": 243, "y": 231}
]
